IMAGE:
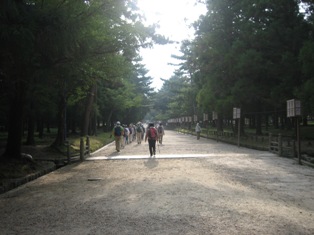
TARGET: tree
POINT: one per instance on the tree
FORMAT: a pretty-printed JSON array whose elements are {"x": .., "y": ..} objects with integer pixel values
[
  {"x": 245, "y": 55},
  {"x": 17, "y": 65},
  {"x": 67, "y": 47}
]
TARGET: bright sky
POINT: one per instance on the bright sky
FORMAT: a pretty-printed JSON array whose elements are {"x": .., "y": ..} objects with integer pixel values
[{"x": 174, "y": 18}]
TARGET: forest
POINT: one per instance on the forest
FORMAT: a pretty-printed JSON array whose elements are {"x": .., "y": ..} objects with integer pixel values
[
  {"x": 253, "y": 55},
  {"x": 71, "y": 65},
  {"x": 75, "y": 66}
]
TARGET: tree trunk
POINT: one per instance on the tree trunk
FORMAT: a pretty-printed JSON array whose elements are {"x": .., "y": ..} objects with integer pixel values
[
  {"x": 258, "y": 124},
  {"x": 48, "y": 126},
  {"x": 242, "y": 122},
  {"x": 108, "y": 126},
  {"x": 60, "y": 139},
  {"x": 275, "y": 120},
  {"x": 88, "y": 110},
  {"x": 258, "y": 118},
  {"x": 31, "y": 126},
  {"x": 304, "y": 121},
  {"x": 40, "y": 128},
  {"x": 72, "y": 125},
  {"x": 30, "y": 131},
  {"x": 220, "y": 124},
  {"x": 252, "y": 122},
  {"x": 14, "y": 141},
  {"x": 266, "y": 121}
]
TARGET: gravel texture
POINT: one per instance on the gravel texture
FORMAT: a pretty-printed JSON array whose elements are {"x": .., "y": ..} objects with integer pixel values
[{"x": 191, "y": 187}]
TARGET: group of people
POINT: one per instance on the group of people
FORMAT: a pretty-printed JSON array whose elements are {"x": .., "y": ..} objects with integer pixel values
[
  {"x": 126, "y": 134},
  {"x": 132, "y": 133}
]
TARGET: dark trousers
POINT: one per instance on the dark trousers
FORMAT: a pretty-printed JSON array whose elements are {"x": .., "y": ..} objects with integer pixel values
[
  {"x": 152, "y": 147},
  {"x": 198, "y": 135}
]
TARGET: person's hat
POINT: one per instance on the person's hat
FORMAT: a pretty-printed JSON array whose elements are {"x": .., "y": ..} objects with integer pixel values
[{"x": 118, "y": 123}]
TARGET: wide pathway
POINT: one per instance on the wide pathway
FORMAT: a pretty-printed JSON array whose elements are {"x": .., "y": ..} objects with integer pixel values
[
  {"x": 175, "y": 145},
  {"x": 191, "y": 187}
]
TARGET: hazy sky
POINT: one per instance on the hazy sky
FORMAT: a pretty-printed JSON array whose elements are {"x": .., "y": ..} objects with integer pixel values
[{"x": 174, "y": 18}]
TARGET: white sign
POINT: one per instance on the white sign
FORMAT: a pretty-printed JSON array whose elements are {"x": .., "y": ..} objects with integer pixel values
[
  {"x": 293, "y": 108},
  {"x": 205, "y": 117},
  {"x": 236, "y": 113},
  {"x": 215, "y": 116}
]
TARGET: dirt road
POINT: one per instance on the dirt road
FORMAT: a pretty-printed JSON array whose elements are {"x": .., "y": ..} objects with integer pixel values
[{"x": 191, "y": 187}]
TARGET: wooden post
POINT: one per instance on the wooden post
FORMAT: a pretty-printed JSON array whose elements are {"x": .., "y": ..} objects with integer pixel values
[
  {"x": 270, "y": 136},
  {"x": 293, "y": 149},
  {"x": 88, "y": 145},
  {"x": 298, "y": 139},
  {"x": 279, "y": 145},
  {"x": 82, "y": 150},
  {"x": 239, "y": 121},
  {"x": 68, "y": 151}
]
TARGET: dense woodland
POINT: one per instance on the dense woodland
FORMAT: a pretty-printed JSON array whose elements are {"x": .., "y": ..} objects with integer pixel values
[
  {"x": 254, "y": 55},
  {"x": 75, "y": 65},
  {"x": 70, "y": 64}
]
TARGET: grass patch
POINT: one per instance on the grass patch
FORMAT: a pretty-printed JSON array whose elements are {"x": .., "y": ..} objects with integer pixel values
[
  {"x": 16, "y": 169},
  {"x": 42, "y": 151},
  {"x": 96, "y": 142}
]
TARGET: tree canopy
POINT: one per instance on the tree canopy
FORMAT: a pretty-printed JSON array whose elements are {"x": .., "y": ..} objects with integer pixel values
[
  {"x": 71, "y": 63},
  {"x": 254, "y": 55}
]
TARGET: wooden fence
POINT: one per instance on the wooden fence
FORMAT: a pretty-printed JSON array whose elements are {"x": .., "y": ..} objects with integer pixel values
[
  {"x": 84, "y": 151},
  {"x": 283, "y": 146}
]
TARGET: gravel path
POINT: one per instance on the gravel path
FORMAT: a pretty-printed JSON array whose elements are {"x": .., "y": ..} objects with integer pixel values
[{"x": 191, "y": 187}]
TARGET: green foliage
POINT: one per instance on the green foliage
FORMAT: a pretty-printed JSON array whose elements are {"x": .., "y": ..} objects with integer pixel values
[
  {"x": 56, "y": 52},
  {"x": 252, "y": 55}
]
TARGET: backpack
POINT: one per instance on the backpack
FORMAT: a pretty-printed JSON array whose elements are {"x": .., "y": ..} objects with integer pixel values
[
  {"x": 152, "y": 133},
  {"x": 160, "y": 129},
  {"x": 126, "y": 131},
  {"x": 117, "y": 131},
  {"x": 139, "y": 128}
]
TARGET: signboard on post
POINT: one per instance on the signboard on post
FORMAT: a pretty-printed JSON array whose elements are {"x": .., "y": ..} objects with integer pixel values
[
  {"x": 205, "y": 117},
  {"x": 215, "y": 116},
  {"x": 293, "y": 108},
  {"x": 236, "y": 113}
]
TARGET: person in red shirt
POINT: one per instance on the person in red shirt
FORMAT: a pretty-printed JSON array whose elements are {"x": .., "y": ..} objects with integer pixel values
[{"x": 152, "y": 136}]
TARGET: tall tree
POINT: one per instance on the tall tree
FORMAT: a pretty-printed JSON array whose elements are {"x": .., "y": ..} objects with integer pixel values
[
  {"x": 18, "y": 59},
  {"x": 71, "y": 43},
  {"x": 246, "y": 54}
]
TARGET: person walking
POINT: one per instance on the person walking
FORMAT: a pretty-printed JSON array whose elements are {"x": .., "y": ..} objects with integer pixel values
[
  {"x": 126, "y": 135},
  {"x": 161, "y": 132},
  {"x": 152, "y": 136},
  {"x": 118, "y": 133},
  {"x": 198, "y": 131},
  {"x": 131, "y": 132},
  {"x": 139, "y": 131}
]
